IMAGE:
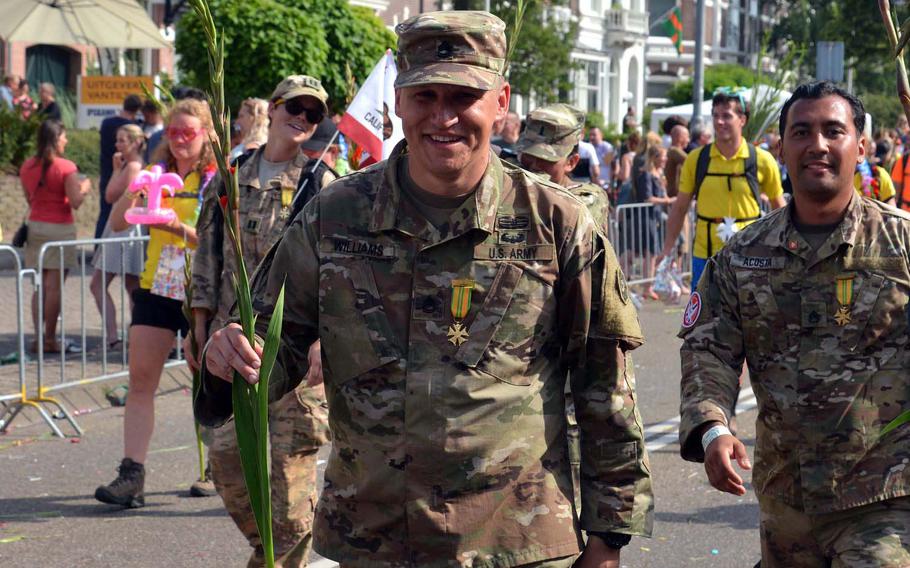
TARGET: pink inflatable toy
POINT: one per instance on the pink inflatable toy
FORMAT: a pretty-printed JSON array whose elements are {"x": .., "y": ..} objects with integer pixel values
[{"x": 154, "y": 181}]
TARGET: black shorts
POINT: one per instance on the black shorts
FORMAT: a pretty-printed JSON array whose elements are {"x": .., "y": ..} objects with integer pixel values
[{"x": 158, "y": 311}]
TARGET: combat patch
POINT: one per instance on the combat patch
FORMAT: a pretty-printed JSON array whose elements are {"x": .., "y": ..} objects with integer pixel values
[
  {"x": 756, "y": 262},
  {"x": 692, "y": 311},
  {"x": 357, "y": 247},
  {"x": 513, "y": 222},
  {"x": 511, "y": 237},
  {"x": 514, "y": 252}
]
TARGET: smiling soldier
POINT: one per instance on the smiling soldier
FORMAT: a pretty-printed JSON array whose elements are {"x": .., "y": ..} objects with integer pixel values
[
  {"x": 446, "y": 346},
  {"x": 814, "y": 298}
]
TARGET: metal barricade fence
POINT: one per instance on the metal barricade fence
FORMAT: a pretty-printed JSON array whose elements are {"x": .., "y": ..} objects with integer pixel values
[
  {"x": 85, "y": 355},
  {"x": 637, "y": 234}
]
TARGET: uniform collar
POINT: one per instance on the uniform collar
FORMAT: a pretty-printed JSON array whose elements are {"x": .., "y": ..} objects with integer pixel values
[
  {"x": 786, "y": 236},
  {"x": 248, "y": 174},
  {"x": 741, "y": 152},
  {"x": 478, "y": 211}
]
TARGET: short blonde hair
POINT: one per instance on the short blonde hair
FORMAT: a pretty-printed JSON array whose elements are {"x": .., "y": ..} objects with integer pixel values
[{"x": 259, "y": 129}]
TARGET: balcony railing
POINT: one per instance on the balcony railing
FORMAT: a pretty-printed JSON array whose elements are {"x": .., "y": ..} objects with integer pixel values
[{"x": 624, "y": 27}]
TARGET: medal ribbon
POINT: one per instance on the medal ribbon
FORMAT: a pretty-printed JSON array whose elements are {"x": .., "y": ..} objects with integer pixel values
[
  {"x": 461, "y": 298},
  {"x": 845, "y": 290}
]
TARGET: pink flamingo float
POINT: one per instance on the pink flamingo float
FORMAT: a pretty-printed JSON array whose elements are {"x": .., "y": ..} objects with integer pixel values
[{"x": 154, "y": 181}]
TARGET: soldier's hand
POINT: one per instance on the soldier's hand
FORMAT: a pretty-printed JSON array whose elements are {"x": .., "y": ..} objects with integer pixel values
[
  {"x": 719, "y": 465},
  {"x": 229, "y": 351},
  {"x": 200, "y": 334},
  {"x": 597, "y": 555},
  {"x": 314, "y": 357}
]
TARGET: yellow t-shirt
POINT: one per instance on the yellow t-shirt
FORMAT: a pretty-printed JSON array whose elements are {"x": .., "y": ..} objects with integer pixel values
[
  {"x": 186, "y": 204},
  {"x": 885, "y": 185},
  {"x": 721, "y": 197}
]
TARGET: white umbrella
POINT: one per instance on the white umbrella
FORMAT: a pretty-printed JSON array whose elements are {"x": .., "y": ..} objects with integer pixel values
[{"x": 100, "y": 23}]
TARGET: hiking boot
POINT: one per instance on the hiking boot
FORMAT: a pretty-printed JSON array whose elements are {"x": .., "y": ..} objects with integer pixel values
[
  {"x": 126, "y": 490},
  {"x": 204, "y": 487}
]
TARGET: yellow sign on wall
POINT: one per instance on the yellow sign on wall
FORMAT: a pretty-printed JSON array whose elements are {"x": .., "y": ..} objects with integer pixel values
[{"x": 103, "y": 90}]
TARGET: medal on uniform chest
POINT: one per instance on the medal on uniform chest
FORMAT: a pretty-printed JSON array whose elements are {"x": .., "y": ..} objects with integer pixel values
[
  {"x": 461, "y": 304},
  {"x": 844, "y": 298},
  {"x": 287, "y": 197}
]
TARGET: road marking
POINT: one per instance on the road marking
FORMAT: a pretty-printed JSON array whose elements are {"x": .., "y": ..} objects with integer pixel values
[
  {"x": 323, "y": 563},
  {"x": 659, "y": 436}
]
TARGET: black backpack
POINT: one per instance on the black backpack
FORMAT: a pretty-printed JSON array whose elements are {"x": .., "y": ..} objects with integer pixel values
[{"x": 750, "y": 172}]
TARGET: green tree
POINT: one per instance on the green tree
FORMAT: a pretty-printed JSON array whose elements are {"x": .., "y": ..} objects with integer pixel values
[
  {"x": 315, "y": 37},
  {"x": 721, "y": 75},
  {"x": 857, "y": 23},
  {"x": 542, "y": 62}
]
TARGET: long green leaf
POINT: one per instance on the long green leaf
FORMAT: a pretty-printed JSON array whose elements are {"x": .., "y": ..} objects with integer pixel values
[
  {"x": 897, "y": 422},
  {"x": 269, "y": 355}
]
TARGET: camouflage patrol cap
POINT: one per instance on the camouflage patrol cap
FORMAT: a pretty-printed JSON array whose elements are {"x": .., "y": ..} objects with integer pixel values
[
  {"x": 551, "y": 132},
  {"x": 301, "y": 86},
  {"x": 453, "y": 48}
]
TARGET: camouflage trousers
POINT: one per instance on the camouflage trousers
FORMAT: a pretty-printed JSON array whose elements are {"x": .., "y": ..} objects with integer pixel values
[
  {"x": 564, "y": 562},
  {"x": 872, "y": 536},
  {"x": 298, "y": 426}
]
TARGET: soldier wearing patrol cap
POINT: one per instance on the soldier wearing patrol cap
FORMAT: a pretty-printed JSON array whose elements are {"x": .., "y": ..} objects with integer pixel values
[
  {"x": 549, "y": 145},
  {"x": 814, "y": 298},
  {"x": 268, "y": 181},
  {"x": 451, "y": 293}
]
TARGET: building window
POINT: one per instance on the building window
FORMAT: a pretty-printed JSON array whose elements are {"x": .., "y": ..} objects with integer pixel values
[{"x": 590, "y": 86}]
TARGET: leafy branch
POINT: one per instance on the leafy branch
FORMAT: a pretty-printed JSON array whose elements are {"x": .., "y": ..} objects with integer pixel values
[{"x": 250, "y": 402}]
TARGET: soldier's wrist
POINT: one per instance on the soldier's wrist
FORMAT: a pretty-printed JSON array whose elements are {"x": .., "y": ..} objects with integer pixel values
[
  {"x": 611, "y": 539},
  {"x": 712, "y": 434}
]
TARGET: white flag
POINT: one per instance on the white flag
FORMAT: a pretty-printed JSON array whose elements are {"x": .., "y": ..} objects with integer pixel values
[{"x": 371, "y": 121}]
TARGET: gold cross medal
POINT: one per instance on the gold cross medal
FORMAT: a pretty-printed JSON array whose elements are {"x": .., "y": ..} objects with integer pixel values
[
  {"x": 844, "y": 298},
  {"x": 461, "y": 305},
  {"x": 287, "y": 197}
]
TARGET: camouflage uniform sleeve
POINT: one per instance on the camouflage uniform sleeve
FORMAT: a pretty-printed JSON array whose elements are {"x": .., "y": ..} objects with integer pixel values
[
  {"x": 208, "y": 259},
  {"x": 712, "y": 354},
  {"x": 293, "y": 263},
  {"x": 616, "y": 492}
]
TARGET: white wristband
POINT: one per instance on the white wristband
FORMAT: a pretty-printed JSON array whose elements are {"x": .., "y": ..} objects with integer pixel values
[{"x": 714, "y": 433}]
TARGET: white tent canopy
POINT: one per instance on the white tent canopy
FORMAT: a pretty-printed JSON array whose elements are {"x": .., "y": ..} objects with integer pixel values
[{"x": 659, "y": 115}]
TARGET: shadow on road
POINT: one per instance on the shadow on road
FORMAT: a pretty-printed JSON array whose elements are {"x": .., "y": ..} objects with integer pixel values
[
  {"x": 41, "y": 509},
  {"x": 740, "y": 516}
]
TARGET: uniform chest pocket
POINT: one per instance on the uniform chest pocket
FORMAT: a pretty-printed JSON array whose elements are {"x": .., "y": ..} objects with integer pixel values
[
  {"x": 512, "y": 326},
  {"x": 880, "y": 319},
  {"x": 760, "y": 316},
  {"x": 353, "y": 325}
]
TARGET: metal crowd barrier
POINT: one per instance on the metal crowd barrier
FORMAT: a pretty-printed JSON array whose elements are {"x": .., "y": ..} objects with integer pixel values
[
  {"x": 637, "y": 234},
  {"x": 93, "y": 366}
]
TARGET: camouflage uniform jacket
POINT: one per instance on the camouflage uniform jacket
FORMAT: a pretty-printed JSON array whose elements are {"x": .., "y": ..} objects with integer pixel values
[
  {"x": 448, "y": 455},
  {"x": 595, "y": 199},
  {"x": 824, "y": 390},
  {"x": 264, "y": 214}
]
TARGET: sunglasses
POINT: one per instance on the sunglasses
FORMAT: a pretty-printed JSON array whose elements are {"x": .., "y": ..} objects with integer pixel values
[
  {"x": 737, "y": 93},
  {"x": 295, "y": 107},
  {"x": 186, "y": 134}
]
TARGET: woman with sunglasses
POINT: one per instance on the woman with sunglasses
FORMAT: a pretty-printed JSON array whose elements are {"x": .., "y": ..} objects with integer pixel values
[
  {"x": 268, "y": 180},
  {"x": 157, "y": 303}
]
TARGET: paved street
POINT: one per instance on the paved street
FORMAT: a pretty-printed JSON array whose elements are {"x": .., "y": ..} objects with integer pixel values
[{"x": 48, "y": 515}]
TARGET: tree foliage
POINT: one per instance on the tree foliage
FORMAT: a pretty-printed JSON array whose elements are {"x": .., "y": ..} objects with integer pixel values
[
  {"x": 541, "y": 63},
  {"x": 267, "y": 40},
  {"x": 857, "y": 23},
  {"x": 720, "y": 75}
]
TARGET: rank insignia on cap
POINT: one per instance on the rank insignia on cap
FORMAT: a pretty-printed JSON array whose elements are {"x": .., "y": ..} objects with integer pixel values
[{"x": 445, "y": 50}]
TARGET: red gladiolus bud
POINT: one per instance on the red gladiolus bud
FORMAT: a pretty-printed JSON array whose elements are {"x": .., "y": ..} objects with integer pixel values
[{"x": 223, "y": 200}]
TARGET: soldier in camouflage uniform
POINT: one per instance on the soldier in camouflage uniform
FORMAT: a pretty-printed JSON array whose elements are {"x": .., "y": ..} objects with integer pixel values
[
  {"x": 549, "y": 146},
  {"x": 268, "y": 180},
  {"x": 452, "y": 294},
  {"x": 814, "y": 298}
]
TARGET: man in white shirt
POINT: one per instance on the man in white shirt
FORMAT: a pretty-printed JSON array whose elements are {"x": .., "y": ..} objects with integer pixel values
[
  {"x": 605, "y": 152},
  {"x": 588, "y": 156}
]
